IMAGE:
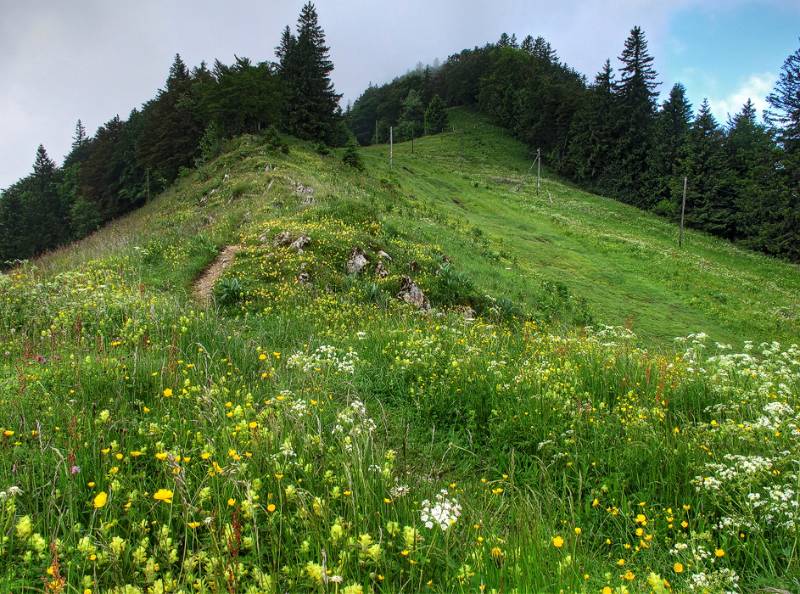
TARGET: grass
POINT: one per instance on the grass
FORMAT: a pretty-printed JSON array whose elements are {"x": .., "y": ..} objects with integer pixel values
[{"x": 311, "y": 432}]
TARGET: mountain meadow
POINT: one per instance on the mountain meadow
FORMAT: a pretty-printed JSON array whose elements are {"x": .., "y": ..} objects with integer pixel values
[{"x": 294, "y": 362}]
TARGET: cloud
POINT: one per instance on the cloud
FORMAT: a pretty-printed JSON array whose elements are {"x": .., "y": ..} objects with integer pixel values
[{"x": 756, "y": 88}]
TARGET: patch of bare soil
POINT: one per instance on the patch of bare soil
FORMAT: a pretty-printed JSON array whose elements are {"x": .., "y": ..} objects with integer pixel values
[{"x": 204, "y": 285}]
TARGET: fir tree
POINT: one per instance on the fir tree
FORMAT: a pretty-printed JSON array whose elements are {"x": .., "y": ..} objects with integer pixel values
[
  {"x": 592, "y": 137},
  {"x": 784, "y": 102},
  {"x": 79, "y": 138},
  {"x": 670, "y": 133},
  {"x": 436, "y": 116},
  {"x": 636, "y": 92},
  {"x": 527, "y": 44},
  {"x": 412, "y": 118},
  {"x": 306, "y": 67},
  {"x": 784, "y": 116},
  {"x": 710, "y": 203}
]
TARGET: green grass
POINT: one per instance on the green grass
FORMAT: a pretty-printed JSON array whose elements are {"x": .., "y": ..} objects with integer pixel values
[
  {"x": 624, "y": 262},
  {"x": 294, "y": 430}
]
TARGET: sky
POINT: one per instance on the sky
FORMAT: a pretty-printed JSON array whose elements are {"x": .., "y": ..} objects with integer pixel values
[{"x": 93, "y": 59}]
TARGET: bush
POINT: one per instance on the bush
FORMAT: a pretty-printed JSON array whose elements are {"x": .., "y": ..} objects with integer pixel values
[
  {"x": 228, "y": 291},
  {"x": 352, "y": 158}
]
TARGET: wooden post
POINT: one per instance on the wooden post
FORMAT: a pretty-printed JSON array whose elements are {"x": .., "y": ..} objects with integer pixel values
[
  {"x": 683, "y": 211},
  {"x": 391, "y": 147},
  {"x": 538, "y": 170},
  {"x": 147, "y": 174}
]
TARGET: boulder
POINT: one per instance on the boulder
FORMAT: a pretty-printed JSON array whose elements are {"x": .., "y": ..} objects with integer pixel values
[
  {"x": 300, "y": 243},
  {"x": 384, "y": 256},
  {"x": 380, "y": 270},
  {"x": 282, "y": 239},
  {"x": 411, "y": 293},
  {"x": 357, "y": 261}
]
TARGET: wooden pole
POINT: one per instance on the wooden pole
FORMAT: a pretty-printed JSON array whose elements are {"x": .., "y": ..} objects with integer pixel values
[
  {"x": 683, "y": 212},
  {"x": 538, "y": 170},
  {"x": 391, "y": 147},
  {"x": 147, "y": 172}
]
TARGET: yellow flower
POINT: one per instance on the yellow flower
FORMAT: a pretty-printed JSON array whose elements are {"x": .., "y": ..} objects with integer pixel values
[
  {"x": 677, "y": 568},
  {"x": 8, "y": 433},
  {"x": 578, "y": 531},
  {"x": 167, "y": 392},
  {"x": 161, "y": 456},
  {"x": 271, "y": 507},
  {"x": 558, "y": 542},
  {"x": 164, "y": 495},
  {"x": 100, "y": 500},
  {"x": 262, "y": 357},
  {"x": 231, "y": 502},
  {"x": 719, "y": 553},
  {"x": 194, "y": 525},
  {"x": 628, "y": 575},
  {"x": 497, "y": 553},
  {"x": 607, "y": 590}
]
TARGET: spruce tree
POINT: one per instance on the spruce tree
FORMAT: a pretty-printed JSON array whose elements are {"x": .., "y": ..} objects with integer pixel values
[
  {"x": 710, "y": 203},
  {"x": 412, "y": 119},
  {"x": 784, "y": 117},
  {"x": 79, "y": 138},
  {"x": 592, "y": 135},
  {"x": 636, "y": 93},
  {"x": 784, "y": 102},
  {"x": 436, "y": 120},
  {"x": 311, "y": 100},
  {"x": 670, "y": 132},
  {"x": 527, "y": 44}
]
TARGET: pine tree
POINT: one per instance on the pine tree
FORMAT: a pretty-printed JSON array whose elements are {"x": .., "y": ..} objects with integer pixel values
[
  {"x": 710, "y": 203},
  {"x": 784, "y": 117},
  {"x": 436, "y": 120},
  {"x": 636, "y": 93},
  {"x": 171, "y": 125},
  {"x": 784, "y": 102},
  {"x": 592, "y": 135},
  {"x": 527, "y": 44},
  {"x": 413, "y": 116},
  {"x": 670, "y": 132},
  {"x": 311, "y": 100},
  {"x": 79, "y": 138}
]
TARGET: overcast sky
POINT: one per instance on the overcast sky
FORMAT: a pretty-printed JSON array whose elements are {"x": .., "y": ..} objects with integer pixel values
[{"x": 92, "y": 59}]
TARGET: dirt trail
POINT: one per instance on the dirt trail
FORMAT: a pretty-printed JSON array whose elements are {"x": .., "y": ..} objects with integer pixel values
[{"x": 204, "y": 285}]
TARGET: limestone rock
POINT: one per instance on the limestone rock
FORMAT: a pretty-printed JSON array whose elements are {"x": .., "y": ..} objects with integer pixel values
[
  {"x": 411, "y": 293},
  {"x": 300, "y": 243},
  {"x": 282, "y": 239},
  {"x": 357, "y": 261}
]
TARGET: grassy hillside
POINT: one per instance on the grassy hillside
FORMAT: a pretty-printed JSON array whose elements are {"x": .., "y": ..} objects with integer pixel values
[
  {"x": 309, "y": 431},
  {"x": 623, "y": 262}
]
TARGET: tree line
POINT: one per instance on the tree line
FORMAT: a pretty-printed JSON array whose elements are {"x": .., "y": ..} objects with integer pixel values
[
  {"x": 611, "y": 136},
  {"x": 127, "y": 160}
]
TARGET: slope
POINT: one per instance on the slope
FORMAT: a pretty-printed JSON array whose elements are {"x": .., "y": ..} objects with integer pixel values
[{"x": 308, "y": 430}]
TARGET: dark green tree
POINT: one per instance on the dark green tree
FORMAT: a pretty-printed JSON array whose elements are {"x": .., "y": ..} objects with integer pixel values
[
  {"x": 710, "y": 202},
  {"x": 305, "y": 68},
  {"x": 592, "y": 135},
  {"x": 436, "y": 120},
  {"x": 636, "y": 93},
  {"x": 171, "y": 126},
  {"x": 670, "y": 132},
  {"x": 413, "y": 116}
]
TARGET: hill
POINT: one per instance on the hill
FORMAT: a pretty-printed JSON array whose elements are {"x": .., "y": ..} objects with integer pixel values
[{"x": 518, "y": 420}]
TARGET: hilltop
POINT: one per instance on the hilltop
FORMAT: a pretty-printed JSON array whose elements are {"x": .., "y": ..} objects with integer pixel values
[{"x": 530, "y": 424}]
